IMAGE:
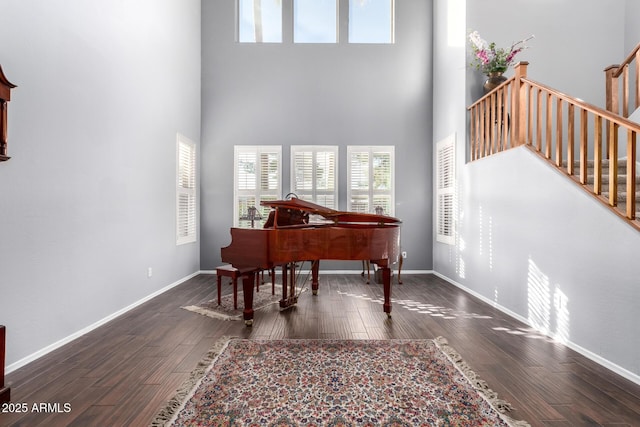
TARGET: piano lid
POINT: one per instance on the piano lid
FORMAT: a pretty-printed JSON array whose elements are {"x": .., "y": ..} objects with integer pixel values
[{"x": 331, "y": 214}]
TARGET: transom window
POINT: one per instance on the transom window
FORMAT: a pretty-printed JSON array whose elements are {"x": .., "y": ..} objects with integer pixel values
[
  {"x": 260, "y": 21},
  {"x": 316, "y": 21},
  {"x": 371, "y": 182},
  {"x": 371, "y": 21}
]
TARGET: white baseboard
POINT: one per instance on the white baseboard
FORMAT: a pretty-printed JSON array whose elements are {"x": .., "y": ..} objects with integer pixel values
[
  {"x": 344, "y": 272},
  {"x": 38, "y": 354},
  {"x": 583, "y": 351}
]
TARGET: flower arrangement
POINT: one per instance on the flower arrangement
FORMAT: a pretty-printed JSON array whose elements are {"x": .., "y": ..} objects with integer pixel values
[{"x": 490, "y": 59}]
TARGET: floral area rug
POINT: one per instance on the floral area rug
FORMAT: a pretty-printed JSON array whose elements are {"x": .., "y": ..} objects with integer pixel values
[
  {"x": 335, "y": 383},
  {"x": 225, "y": 310}
]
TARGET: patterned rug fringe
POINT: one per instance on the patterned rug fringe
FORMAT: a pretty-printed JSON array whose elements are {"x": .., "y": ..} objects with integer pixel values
[
  {"x": 257, "y": 304},
  {"x": 211, "y": 313},
  {"x": 491, "y": 396},
  {"x": 176, "y": 402},
  {"x": 174, "y": 405}
]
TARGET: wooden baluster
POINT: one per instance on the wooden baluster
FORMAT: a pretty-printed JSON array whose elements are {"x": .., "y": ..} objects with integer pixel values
[
  {"x": 631, "y": 174},
  {"x": 625, "y": 91},
  {"x": 597, "y": 156},
  {"x": 547, "y": 148},
  {"x": 584, "y": 142},
  {"x": 612, "y": 142},
  {"x": 472, "y": 133},
  {"x": 492, "y": 121},
  {"x": 571, "y": 140},
  {"x": 530, "y": 116},
  {"x": 539, "y": 121},
  {"x": 499, "y": 121},
  {"x": 506, "y": 117},
  {"x": 558, "y": 132}
]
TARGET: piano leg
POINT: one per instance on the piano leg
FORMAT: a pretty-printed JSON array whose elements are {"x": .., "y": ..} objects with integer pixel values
[
  {"x": 289, "y": 297},
  {"x": 315, "y": 268},
  {"x": 285, "y": 270},
  {"x": 386, "y": 280},
  {"x": 248, "y": 280}
]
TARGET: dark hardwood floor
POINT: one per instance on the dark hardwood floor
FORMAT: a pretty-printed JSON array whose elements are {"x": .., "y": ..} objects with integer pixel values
[{"x": 122, "y": 373}]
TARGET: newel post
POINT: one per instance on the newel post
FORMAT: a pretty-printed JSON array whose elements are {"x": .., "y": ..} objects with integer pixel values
[
  {"x": 611, "y": 88},
  {"x": 519, "y": 100}
]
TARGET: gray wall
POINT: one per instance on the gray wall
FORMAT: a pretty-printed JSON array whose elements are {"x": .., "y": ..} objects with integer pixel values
[
  {"x": 87, "y": 202},
  {"x": 631, "y": 27},
  {"x": 519, "y": 244},
  {"x": 300, "y": 94}
]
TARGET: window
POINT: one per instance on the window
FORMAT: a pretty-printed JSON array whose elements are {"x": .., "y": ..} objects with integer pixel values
[
  {"x": 257, "y": 177},
  {"x": 370, "y": 176},
  {"x": 313, "y": 174},
  {"x": 445, "y": 190},
  {"x": 185, "y": 191},
  {"x": 315, "y": 21},
  {"x": 371, "y": 21},
  {"x": 260, "y": 21}
]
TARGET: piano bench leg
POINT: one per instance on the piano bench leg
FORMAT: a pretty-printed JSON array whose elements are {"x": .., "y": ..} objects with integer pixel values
[{"x": 233, "y": 273}]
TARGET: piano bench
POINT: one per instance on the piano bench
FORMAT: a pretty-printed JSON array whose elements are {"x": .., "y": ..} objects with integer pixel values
[{"x": 228, "y": 270}]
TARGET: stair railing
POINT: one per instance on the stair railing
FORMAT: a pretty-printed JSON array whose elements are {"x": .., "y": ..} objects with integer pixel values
[
  {"x": 615, "y": 99},
  {"x": 564, "y": 130}
]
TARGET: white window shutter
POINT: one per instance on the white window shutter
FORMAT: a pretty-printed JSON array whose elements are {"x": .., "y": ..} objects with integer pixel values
[
  {"x": 370, "y": 178},
  {"x": 186, "y": 191},
  {"x": 445, "y": 190},
  {"x": 257, "y": 178},
  {"x": 314, "y": 175}
]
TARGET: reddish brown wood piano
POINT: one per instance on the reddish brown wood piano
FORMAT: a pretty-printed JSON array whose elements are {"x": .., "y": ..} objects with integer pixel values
[{"x": 289, "y": 237}]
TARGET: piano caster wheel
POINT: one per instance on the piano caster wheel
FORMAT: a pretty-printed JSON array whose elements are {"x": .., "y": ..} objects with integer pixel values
[
  {"x": 388, "y": 315},
  {"x": 248, "y": 322},
  {"x": 314, "y": 292}
]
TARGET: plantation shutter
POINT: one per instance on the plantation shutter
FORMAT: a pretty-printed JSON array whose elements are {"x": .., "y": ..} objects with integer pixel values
[
  {"x": 314, "y": 175},
  {"x": 371, "y": 179},
  {"x": 257, "y": 178},
  {"x": 445, "y": 190},
  {"x": 186, "y": 191}
]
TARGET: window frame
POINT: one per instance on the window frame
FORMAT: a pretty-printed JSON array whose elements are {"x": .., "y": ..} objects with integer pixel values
[
  {"x": 351, "y": 26},
  {"x": 445, "y": 167},
  {"x": 189, "y": 189},
  {"x": 258, "y": 193},
  {"x": 313, "y": 194},
  {"x": 371, "y": 192}
]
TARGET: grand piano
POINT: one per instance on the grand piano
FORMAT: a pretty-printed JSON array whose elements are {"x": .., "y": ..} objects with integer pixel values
[{"x": 291, "y": 235}]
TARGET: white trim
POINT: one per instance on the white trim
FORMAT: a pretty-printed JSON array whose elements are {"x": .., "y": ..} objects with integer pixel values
[
  {"x": 38, "y": 354},
  {"x": 343, "y": 272},
  {"x": 583, "y": 351}
]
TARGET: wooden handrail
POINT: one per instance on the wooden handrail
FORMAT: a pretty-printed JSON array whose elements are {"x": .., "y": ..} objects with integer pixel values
[
  {"x": 616, "y": 95},
  {"x": 524, "y": 112},
  {"x": 627, "y": 61}
]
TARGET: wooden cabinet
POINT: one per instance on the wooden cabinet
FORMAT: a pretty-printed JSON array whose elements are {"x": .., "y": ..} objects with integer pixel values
[
  {"x": 5, "y": 97},
  {"x": 5, "y": 392}
]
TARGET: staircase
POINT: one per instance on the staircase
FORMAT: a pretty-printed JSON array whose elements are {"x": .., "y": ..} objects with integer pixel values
[
  {"x": 557, "y": 127},
  {"x": 622, "y": 183}
]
